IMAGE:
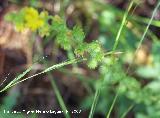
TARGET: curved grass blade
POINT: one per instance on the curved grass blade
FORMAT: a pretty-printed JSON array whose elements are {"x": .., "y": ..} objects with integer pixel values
[
  {"x": 17, "y": 78},
  {"x": 121, "y": 26},
  {"x": 56, "y": 66},
  {"x": 113, "y": 103},
  {"x": 94, "y": 103},
  {"x": 58, "y": 94},
  {"x": 144, "y": 34},
  {"x": 126, "y": 112},
  {"x": 59, "y": 98}
]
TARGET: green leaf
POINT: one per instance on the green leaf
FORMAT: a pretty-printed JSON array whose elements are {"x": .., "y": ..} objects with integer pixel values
[
  {"x": 149, "y": 72},
  {"x": 58, "y": 24},
  {"x": 63, "y": 40},
  {"x": 78, "y": 34}
]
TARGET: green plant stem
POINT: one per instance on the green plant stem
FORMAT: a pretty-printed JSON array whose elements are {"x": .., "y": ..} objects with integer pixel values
[
  {"x": 149, "y": 23},
  {"x": 18, "y": 78},
  {"x": 121, "y": 26},
  {"x": 126, "y": 112},
  {"x": 112, "y": 52},
  {"x": 146, "y": 20},
  {"x": 144, "y": 34},
  {"x": 140, "y": 43},
  {"x": 56, "y": 90},
  {"x": 59, "y": 97},
  {"x": 113, "y": 103},
  {"x": 94, "y": 102},
  {"x": 70, "y": 55},
  {"x": 56, "y": 66}
]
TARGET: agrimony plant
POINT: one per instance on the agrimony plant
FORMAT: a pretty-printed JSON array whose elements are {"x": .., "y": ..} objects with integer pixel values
[{"x": 30, "y": 18}]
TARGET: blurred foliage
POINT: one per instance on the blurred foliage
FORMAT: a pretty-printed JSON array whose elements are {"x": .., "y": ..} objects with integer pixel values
[
  {"x": 133, "y": 91},
  {"x": 6, "y": 110}
]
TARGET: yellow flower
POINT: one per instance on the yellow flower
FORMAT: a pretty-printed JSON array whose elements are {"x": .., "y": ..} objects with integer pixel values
[
  {"x": 34, "y": 24},
  {"x": 33, "y": 19},
  {"x": 30, "y": 13}
]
